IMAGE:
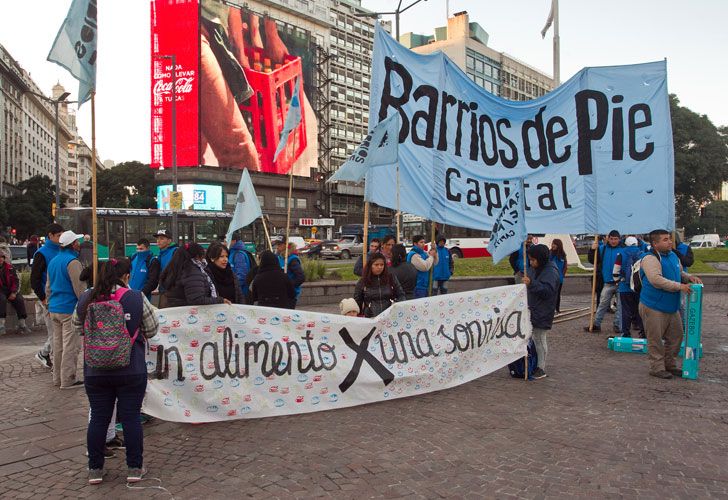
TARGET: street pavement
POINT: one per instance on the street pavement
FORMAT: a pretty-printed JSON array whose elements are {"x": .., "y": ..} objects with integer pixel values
[{"x": 597, "y": 427}]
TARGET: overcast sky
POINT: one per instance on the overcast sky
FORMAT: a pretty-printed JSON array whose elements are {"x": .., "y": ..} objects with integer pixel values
[{"x": 691, "y": 35}]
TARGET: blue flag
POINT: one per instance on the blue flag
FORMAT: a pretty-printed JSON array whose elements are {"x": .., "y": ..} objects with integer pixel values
[
  {"x": 293, "y": 118},
  {"x": 509, "y": 230},
  {"x": 380, "y": 147},
  {"x": 247, "y": 207},
  {"x": 75, "y": 46}
]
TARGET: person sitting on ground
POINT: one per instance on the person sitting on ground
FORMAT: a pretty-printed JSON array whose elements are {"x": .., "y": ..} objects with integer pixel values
[
  {"x": 223, "y": 277},
  {"x": 185, "y": 281},
  {"x": 403, "y": 270},
  {"x": 542, "y": 282},
  {"x": 10, "y": 292},
  {"x": 373, "y": 248},
  {"x": 271, "y": 287},
  {"x": 378, "y": 288},
  {"x": 349, "y": 307},
  {"x": 124, "y": 387}
]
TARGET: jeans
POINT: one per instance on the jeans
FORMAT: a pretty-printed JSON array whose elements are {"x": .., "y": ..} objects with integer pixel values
[
  {"x": 440, "y": 288},
  {"x": 47, "y": 348},
  {"x": 542, "y": 348},
  {"x": 630, "y": 313},
  {"x": 420, "y": 292},
  {"x": 127, "y": 392},
  {"x": 605, "y": 301},
  {"x": 18, "y": 303},
  {"x": 65, "y": 350}
]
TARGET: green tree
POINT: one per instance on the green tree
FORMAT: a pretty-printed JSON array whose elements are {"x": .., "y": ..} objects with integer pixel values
[
  {"x": 701, "y": 161},
  {"x": 129, "y": 184},
  {"x": 30, "y": 211}
]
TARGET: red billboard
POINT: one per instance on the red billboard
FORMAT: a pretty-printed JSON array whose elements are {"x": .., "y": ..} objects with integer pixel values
[{"x": 243, "y": 67}]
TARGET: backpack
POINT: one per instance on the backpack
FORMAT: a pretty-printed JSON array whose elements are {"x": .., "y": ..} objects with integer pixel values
[
  {"x": 107, "y": 344},
  {"x": 635, "y": 277},
  {"x": 516, "y": 368}
]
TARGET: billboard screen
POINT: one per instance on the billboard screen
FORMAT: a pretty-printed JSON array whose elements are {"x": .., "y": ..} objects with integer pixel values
[
  {"x": 247, "y": 66},
  {"x": 194, "y": 196}
]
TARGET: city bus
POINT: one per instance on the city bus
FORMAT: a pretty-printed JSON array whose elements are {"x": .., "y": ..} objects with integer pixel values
[
  {"x": 119, "y": 229},
  {"x": 463, "y": 243}
]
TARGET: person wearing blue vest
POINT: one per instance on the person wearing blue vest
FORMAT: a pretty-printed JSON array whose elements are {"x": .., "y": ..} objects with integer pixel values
[
  {"x": 662, "y": 282},
  {"x": 516, "y": 260},
  {"x": 166, "y": 251},
  {"x": 422, "y": 261},
  {"x": 63, "y": 289},
  {"x": 558, "y": 257},
  {"x": 685, "y": 254},
  {"x": 241, "y": 261},
  {"x": 294, "y": 267},
  {"x": 38, "y": 275},
  {"x": 144, "y": 269},
  {"x": 444, "y": 268},
  {"x": 605, "y": 265},
  {"x": 628, "y": 298}
]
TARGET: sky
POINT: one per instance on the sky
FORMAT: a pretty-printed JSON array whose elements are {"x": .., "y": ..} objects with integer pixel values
[{"x": 690, "y": 35}]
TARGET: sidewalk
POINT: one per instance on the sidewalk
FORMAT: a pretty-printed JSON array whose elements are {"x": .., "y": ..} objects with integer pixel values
[{"x": 598, "y": 426}]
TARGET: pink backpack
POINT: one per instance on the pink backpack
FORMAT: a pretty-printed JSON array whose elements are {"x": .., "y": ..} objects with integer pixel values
[{"x": 107, "y": 344}]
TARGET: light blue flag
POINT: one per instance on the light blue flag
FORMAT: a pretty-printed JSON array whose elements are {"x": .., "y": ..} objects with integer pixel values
[
  {"x": 293, "y": 118},
  {"x": 75, "y": 46},
  {"x": 380, "y": 147},
  {"x": 247, "y": 207},
  {"x": 509, "y": 230}
]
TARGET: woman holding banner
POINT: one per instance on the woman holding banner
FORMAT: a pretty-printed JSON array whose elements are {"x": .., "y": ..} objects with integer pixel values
[{"x": 378, "y": 288}]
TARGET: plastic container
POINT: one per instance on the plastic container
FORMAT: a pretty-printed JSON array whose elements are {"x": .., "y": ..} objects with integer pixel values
[
  {"x": 693, "y": 330},
  {"x": 639, "y": 346}
]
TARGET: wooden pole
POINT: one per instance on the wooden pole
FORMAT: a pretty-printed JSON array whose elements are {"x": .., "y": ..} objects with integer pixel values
[
  {"x": 94, "y": 221},
  {"x": 432, "y": 268},
  {"x": 594, "y": 285},
  {"x": 365, "y": 243},
  {"x": 267, "y": 236},
  {"x": 398, "y": 214},
  {"x": 525, "y": 359},
  {"x": 290, "y": 194},
  {"x": 525, "y": 260}
]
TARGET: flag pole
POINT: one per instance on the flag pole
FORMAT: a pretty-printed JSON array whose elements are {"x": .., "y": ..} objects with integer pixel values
[
  {"x": 365, "y": 243},
  {"x": 398, "y": 214},
  {"x": 432, "y": 267},
  {"x": 290, "y": 193},
  {"x": 557, "y": 46},
  {"x": 525, "y": 359},
  {"x": 267, "y": 236},
  {"x": 594, "y": 285},
  {"x": 94, "y": 221}
]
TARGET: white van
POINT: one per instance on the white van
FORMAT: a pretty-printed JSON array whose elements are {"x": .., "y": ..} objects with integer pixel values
[{"x": 705, "y": 241}]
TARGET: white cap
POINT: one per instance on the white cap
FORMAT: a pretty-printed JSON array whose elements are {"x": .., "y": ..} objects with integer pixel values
[
  {"x": 631, "y": 241},
  {"x": 348, "y": 305},
  {"x": 68, "y": 237}
]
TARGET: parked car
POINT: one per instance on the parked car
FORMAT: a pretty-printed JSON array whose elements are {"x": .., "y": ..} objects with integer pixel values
[
  {"x": 313, "y": 249},
  {"x": 346, "y": 247},
  {"x": 19, "y": 254},
  {"x": 705, "y": 241}
]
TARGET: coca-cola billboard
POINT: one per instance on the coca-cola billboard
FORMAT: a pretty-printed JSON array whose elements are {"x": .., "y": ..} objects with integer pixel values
[{"x": 175, "y": 31}]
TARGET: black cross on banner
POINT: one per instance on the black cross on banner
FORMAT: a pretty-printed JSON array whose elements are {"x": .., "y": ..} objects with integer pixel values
[{"x": 363, "y": 354}]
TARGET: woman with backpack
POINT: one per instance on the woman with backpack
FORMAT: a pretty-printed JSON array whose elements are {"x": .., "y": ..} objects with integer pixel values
[
  {"x": 378, "y": 288},
  {"x": 186, "y": 282},
  {"x": 558, "y": 257},
  {"x": 271, "y": 287},
  {"x": 222, "y": 275},
  {"x": 116, "y": 376}
]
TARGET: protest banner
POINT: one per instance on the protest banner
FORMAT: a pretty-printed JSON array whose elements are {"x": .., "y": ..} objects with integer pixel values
[
  {"x": 224, "y": 362},
  {"x": 595, "y": 154}
]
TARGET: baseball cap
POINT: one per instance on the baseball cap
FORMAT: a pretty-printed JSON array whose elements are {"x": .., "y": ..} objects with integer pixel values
[
  {"x": 164, "y": 232},
  {"x": 68, "y": 237},
  {"x": 631, "y": 241}
]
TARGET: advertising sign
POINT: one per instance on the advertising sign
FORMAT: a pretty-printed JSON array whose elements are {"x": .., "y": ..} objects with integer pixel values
[{"x": 194, "y": 197}]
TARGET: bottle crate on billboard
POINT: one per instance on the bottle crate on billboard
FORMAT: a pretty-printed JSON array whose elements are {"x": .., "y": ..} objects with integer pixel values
[{"x": 265, "y": 111}]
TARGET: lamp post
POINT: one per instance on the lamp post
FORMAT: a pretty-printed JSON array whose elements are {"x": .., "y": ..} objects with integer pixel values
[
  {"x": 395, "y": 12},
  {"x": 173, "y": 58},
  {"x": 56, "y": 103}
]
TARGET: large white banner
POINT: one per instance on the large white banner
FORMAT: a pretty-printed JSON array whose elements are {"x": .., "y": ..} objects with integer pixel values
[{"x": 224, "y": 362}]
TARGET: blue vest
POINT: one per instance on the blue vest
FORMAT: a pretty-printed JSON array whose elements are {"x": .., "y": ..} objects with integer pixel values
[
  {"x": 608, "y": 258},
  {"x": 62, "y": 298},
  {"x": 519, "y": 260},
  {"x": 423, "y": 277},
  {"x": 630, "y": 255},
  {"x": 49, "y": 250},
  {"x": 290, "y": 275},
  {"x": 165, "y": 256},
  {"x": 560, "y": 265},
  {"x": 240, "y": 264},
  {"x": 662, "y": 300},
  {"x": 139, "y": 270},
  {"x": 442, "y": 268}
]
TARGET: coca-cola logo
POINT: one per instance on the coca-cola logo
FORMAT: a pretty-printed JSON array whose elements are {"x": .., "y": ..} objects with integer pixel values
[{"x": 184, "y": 86}]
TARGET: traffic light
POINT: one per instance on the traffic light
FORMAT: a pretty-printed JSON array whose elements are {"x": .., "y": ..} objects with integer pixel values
[{"x": 13, "y": 231}]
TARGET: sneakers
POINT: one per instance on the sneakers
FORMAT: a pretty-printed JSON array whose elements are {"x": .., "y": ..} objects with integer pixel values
[
  {"x": 76, "y": 385},
  {"x": 116, "y": 444},
  {"x": 596, "y": 328},
  {"x": 95, "y": 476},
  {"x": 135, "y": 475},
  {"x": 23, "y": 327},
  {"x": 661, "y": 374},
  {"x": 538, "y": 373},
  {"x": 676, "y": 372},
  {"x": 44, "y": 360}
]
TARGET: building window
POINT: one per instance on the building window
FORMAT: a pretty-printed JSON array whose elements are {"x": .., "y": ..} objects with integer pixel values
[
  {"x": 261, "y": 200},
  {"x": 280, "y": 202},
  {"x": 301, "y": 203}
]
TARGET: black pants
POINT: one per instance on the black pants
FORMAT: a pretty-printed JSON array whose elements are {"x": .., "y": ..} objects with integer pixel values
[
  {"x": 630, "y": 312},
  {"x": 18, "y": 303},
  {"x": 558, "y": 298}
]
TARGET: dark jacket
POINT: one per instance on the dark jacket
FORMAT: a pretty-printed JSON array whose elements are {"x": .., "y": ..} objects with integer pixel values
[
  {"x": 406, "y": 274},
  {"x": 30, "y": 251},
  {"x": 543, "y": 291},
  {"x": 271, "y": 287},
  {"x": 602, "y": 248},
  {"x": 377, "y": 297},
  {"x": 191, "y": 289},
  {"x": 9, "y": 283},
  {"x": 39, "y": 269},
  {"x": 226, "y": 283}
]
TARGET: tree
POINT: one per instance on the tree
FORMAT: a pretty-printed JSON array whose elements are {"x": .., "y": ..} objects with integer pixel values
[
  {"x": 714, "y": 219},
  {"x": 701, "y": 160},
  {"x": 128, "y": 184},
  {"x": 30, "y": 212}
]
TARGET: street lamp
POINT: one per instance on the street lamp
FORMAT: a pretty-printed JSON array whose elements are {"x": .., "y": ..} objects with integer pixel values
[
  {"x": 395, "y": 12},
  {"x": 56, "y": 103},
  {"x": 173, "y": 58}
]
